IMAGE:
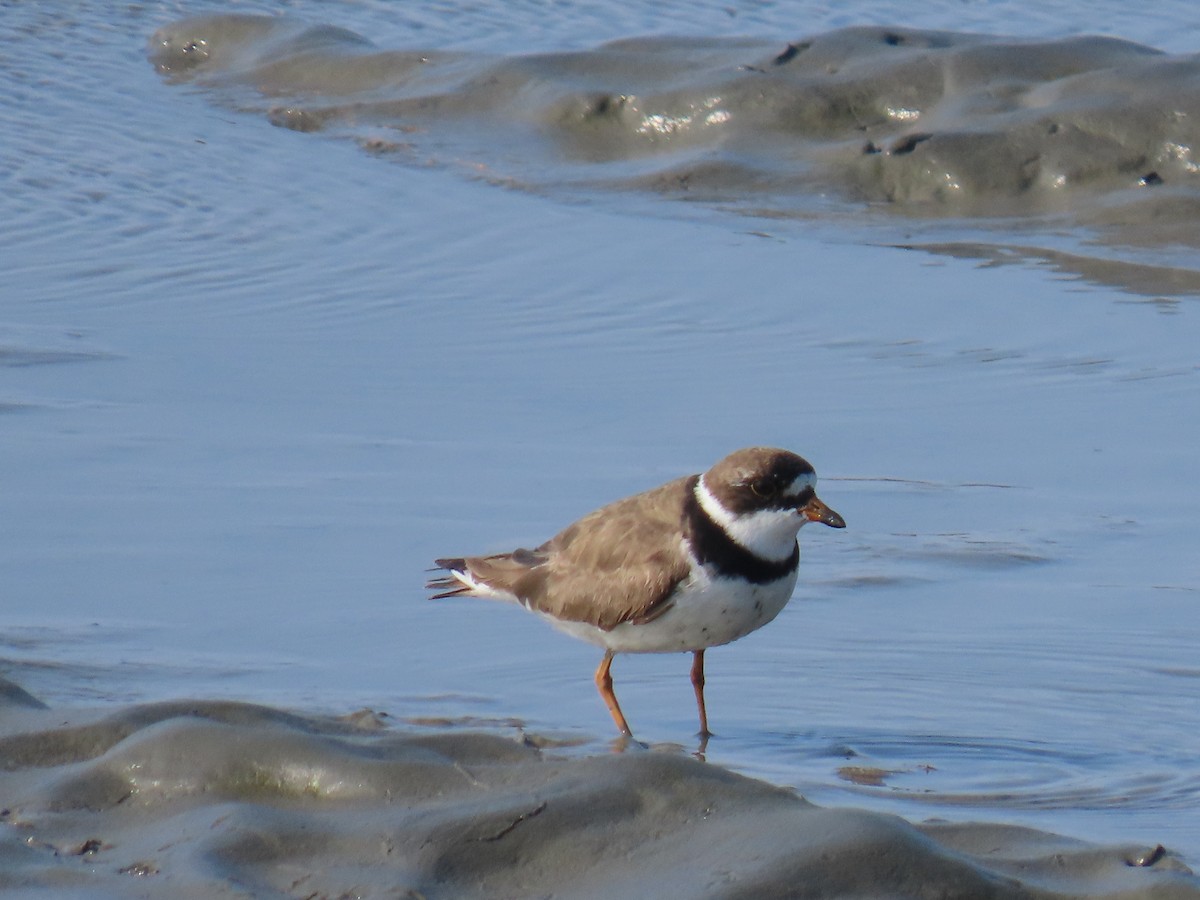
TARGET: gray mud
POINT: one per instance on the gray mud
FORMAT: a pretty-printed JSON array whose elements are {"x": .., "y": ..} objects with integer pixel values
[
  {"x": 209, "y": 798},
  {"x": 925, "y": 123}
]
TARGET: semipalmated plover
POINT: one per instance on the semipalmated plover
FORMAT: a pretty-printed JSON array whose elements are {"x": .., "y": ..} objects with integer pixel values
[{"x": 700, "y": 561}]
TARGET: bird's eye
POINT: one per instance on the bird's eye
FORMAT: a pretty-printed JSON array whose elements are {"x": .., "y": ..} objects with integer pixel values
[{"x": 763, "y": 489}]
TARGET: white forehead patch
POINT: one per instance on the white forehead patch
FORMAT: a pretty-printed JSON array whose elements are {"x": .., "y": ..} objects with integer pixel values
[
  {"x": 769, "y": 533},
  {"x": 803, "y": 481}
]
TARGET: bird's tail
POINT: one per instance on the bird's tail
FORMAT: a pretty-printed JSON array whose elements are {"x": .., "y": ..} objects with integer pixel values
[
  {"x": 453, "y": 582},
  {"x": 483, "y": 576}
]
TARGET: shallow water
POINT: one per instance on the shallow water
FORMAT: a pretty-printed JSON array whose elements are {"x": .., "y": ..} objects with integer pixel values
[{"x": 254, "y": 379}]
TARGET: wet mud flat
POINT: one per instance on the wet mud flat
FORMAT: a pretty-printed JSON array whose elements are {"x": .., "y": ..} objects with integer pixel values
[
  {"x": 208, "y": 798},
  {"x": 1098, "y": 130}
]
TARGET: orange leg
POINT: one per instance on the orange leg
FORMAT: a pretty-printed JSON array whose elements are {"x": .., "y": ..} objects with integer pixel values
[
  {"x": 604, "y": 684},
  {"x": 698, "y": 686}
]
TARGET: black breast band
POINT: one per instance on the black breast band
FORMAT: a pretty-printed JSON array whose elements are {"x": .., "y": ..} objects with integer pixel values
[{"x": 713, "y": 547}]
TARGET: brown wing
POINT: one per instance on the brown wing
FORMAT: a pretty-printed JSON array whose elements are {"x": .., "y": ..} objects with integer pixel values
[{"x": 618, "y": 564}]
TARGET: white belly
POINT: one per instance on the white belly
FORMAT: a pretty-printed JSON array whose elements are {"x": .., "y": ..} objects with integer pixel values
[{"x": 706, "y": 611}]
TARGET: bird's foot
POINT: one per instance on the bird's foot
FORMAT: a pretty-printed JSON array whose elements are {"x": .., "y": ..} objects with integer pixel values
[{"x": 626, "y": 742}]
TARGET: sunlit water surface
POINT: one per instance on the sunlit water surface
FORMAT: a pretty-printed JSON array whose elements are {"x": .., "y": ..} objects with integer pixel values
[{"x": 252, "y": 381}]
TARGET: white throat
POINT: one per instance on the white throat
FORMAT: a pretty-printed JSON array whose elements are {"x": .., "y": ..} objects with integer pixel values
[{"x": 769, "y": 533}]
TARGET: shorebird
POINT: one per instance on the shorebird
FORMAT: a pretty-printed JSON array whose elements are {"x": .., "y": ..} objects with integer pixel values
[{"x": 698, "y": 562}]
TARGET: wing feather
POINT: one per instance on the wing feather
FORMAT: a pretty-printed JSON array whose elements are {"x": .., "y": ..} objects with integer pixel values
[{"x": 618, "y": 564}]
